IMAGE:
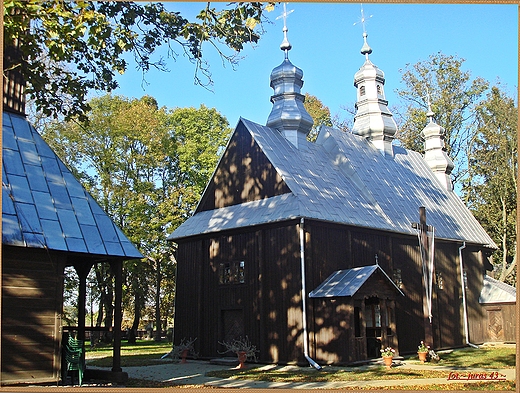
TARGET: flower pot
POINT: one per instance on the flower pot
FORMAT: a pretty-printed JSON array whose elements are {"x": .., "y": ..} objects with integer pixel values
[
  {"x": 184, "y": 354},
  {"x": 242, "y": 357},
  {"x": 422, "y": 356},
  {"x": 388, "y": 361}
]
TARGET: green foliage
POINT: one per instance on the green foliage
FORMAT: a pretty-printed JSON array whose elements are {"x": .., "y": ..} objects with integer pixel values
[
  {"x": 69, "y": 48},
  {"x": 491, "y": 188},
  {"x": 453, "y": 95},
  {"x": 319, "y": 113},
  {"x": 147, "y": 167}
]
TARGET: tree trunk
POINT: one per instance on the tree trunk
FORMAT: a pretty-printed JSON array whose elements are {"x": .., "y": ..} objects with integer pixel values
[
  {"x": 132, "y": 334},
  {"x": 158, "y": 330}
]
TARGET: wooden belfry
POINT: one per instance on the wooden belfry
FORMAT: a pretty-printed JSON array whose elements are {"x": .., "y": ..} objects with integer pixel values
[{"x": 426, "y": 245}]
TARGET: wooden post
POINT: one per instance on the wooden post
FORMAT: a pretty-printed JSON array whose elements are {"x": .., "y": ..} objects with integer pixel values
[
  {"x": 82, "y": 269},
  {"x": 117, "y": 268}
]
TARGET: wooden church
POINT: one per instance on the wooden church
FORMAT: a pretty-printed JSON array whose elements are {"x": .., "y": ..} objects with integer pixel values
[{"x": 325, "y": 252}]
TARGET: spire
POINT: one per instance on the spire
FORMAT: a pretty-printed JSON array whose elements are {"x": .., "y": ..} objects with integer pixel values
[
  {"x": 434, "y": 149},
  {"x": 288, "y": 115},
  {"x": 365, "y": 49},
  {"x": 373, "y": 119},
  {"x": 285, "y": 45}
]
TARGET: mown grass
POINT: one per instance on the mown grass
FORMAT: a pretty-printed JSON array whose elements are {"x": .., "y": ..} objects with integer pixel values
[
  {"x": 143, "y": 353},
  {"x": 484, "y": 357},
  {"x": 148, "y": 352}
]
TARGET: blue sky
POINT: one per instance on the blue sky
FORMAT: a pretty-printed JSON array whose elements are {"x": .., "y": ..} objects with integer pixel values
[{"x": 326, "y": 41}]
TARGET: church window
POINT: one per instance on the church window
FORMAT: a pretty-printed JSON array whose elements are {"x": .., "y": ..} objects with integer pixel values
[
  {"x": 440, "y": 281},
  {"x": 357, "y": 321},
  {"x": 362, "y": 91},
  {"x": 398, "y": 280},
  {"x": 388, "y": 321},
  {"x": 379, "y": 90},
  {"x": 372, "y": 314},
  {"x": 232, "y": 272}
]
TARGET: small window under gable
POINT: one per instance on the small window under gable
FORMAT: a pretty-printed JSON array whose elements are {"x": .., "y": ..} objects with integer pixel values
[{"x": 232, "y": 272}]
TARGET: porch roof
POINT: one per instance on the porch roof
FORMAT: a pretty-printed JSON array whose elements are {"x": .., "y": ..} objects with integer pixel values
[{"x": 348, "y": 282}]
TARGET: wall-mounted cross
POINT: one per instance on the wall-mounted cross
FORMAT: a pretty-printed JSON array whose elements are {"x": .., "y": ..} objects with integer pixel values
[{"x": 428, "y": 270}]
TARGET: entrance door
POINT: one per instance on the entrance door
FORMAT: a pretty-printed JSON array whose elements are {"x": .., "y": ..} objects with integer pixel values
[
  {"x": 232, "y": 325},
  {"x": 495, "y": 324},
  {"x": 373, "y": 327}
]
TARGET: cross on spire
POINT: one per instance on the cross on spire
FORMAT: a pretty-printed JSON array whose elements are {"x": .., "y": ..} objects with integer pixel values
[
  {"x": 430, "y": 113},
  {"x": 363, "y": 20},
  {"x": 365, "y": 50},
  {"x": 285, "y": 46}
]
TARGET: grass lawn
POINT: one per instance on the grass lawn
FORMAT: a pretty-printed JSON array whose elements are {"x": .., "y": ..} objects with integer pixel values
[
  {"x": 148, "y": 352},
  {"x": 143, "y": 353}
]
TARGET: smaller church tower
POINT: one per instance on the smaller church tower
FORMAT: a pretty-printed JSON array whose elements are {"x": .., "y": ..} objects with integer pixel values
[
  {"x": 434, "y": 151},
  {"x": 288, "y": 115},
  {"x": 373, "y": 119}
]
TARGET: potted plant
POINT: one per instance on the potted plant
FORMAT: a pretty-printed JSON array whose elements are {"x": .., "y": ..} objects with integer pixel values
[
  {"x": 243, "y": 348},
  {"x": 388, "y": 356},
  {"x": 422, "y": 351},
  {"x": 182, "y": 350}
]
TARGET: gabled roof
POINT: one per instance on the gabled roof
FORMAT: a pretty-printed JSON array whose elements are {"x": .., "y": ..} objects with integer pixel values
[
  {"x": 343, "y": 178},
  {"x": 348, "y": 282},
  {"x": 495, "y": 291},
  {"x": 43, "y": 204}
]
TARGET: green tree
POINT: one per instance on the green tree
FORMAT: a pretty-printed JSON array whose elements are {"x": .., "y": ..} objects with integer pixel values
[
  {"x": 491, "y": 188},
  {"x": 453, "y": 95},
  {"x": 64, "y": 49},
  {"x": 147, "y": 167},
  {"x": 319, "y": 113}
]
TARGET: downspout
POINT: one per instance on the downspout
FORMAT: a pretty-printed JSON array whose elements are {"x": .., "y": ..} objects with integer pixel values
[
  {"x": 304, "y": 300},
  {"x": 464, "y": 304}
]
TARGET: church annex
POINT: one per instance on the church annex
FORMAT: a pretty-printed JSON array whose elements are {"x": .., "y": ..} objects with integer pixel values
[{"x": 328, "y": 251}]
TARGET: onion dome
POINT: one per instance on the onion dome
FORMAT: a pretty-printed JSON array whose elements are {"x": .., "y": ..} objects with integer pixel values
[{"x": 288, "y": 114}]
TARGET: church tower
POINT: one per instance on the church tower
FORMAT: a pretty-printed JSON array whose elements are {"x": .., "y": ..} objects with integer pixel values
[
  {"x": 288, "y": 115},
  {"x": 434, "y": 151},
  {"x": 373, "y": 119}
]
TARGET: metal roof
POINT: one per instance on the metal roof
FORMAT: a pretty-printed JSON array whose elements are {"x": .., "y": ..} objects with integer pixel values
[
  {"x": 45, "y": 206},
  {"x": 495, "y": 291},
  {"x": 347, "y": 282},
  {"x": 343, "y": 178}
]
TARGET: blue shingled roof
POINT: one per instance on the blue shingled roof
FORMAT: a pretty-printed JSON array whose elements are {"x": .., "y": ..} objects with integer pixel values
[
  {"x": 343, "y": 178},
  {"x": 44, "y": 205}
]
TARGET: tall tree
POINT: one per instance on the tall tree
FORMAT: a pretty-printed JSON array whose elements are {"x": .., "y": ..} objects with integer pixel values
[
  {"x": 319, "y": 113},
  {"x": 453, "y": 95},
  {"x": 147, "y": 167},
  {"x": 491, "y": 188},
  {"x": 69, "y": 48}
]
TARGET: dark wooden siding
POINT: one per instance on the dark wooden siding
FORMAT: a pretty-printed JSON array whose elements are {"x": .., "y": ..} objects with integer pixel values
[
  {"x": 244, "y": 174},
  {"x": 448, "y": 315},
  {"x": 32, "y": 293},
  {"x": 191, "y": 257},
  {"x": 282, "y": 341},
  {"x": 270, "y": 299}
]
